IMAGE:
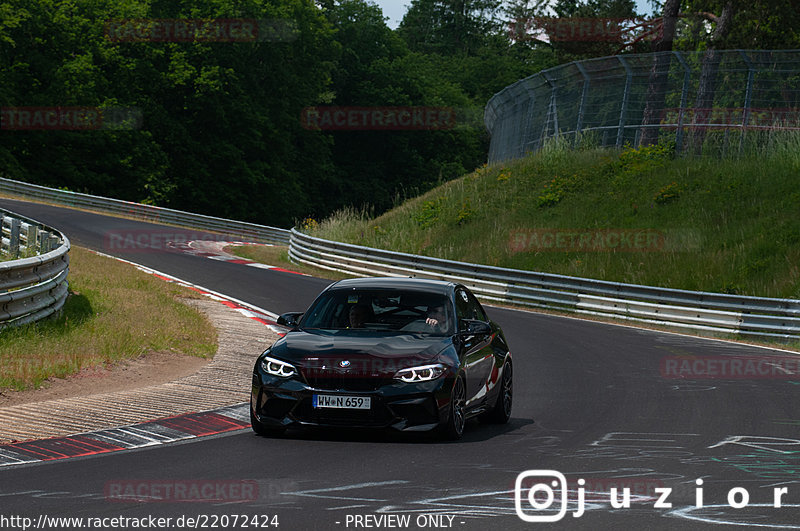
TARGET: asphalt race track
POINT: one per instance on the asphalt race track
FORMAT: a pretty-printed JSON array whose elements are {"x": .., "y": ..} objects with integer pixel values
[{"x": 592, "y": 401}]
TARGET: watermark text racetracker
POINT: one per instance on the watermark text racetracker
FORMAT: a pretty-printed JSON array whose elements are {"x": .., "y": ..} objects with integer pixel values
[
  {"x": 235, "y": 30},
  {"x": 377, "y": 118},
  {"x": 601, "y": 240},
  {"x": 157, "y": 241},
  {"x": 191, "y": 491},
  {"x": 731, "y": 367},
  {"x": 69, "y": 118},
  {"x": 544, "y": 496},
  {"x": 572, "y": 29},
  {"x": 566, "y": 240}
]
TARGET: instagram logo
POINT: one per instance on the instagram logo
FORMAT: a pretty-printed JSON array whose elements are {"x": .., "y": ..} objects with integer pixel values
[
  {"x": 538, "y": 488},
  {"x": 540, "y": 496}
]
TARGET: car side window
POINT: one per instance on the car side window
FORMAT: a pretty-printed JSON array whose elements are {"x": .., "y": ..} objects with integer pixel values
[
  {"x": 462, "y": 305},
  {"x": 476, "y": 309},
  {"x": 468, "y": 307}
]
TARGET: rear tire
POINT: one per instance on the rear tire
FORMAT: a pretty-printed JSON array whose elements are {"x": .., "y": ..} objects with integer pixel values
[
  {"x": 261, "y": 429},
  {"x": 501, "y": 412},
  {"x": 453, "y": 429}
]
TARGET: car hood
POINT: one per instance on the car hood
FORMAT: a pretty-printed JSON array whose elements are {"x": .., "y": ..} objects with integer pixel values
[{"x": 299, "y": 345}]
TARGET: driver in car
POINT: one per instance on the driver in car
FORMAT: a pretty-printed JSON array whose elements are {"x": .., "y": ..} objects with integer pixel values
[
  {"x": 437, "y": 319},
  {"x": 359, "y": 314}
]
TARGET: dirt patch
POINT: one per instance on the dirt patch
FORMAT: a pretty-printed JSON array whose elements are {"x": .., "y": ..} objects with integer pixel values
[{"x": 153, "y": 369}]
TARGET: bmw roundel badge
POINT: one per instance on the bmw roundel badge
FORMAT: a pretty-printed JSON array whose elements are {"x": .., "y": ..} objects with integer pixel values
[{"x": 344, "y": 364}]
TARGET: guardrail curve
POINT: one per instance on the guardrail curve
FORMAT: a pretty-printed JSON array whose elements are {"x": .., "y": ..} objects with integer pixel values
[
  {"x": 35, "y": 287},
  {"x": 699, "y": 311},
  {"x": 239, "y": 229}
]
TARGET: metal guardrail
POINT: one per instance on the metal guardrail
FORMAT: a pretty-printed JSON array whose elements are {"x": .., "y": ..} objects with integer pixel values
[
  {"x": 26, "y": 238},
  {"x": 699, "y": 311},
  {"x": 44, "y": 277},
  {"x": 237, "y": 229},
  {"x": 35, "y": 287}
]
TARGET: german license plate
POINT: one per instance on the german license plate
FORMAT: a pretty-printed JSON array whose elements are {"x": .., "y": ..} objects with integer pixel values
[{"x": 341, "y": 402}]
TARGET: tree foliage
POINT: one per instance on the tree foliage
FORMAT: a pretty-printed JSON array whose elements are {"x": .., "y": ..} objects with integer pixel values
[
  {"x": 450, "y": 27},
  {"x": 756, "y": 24},
  {"x": 220, "y": 131},
  {"x": 220, "y": 127}
]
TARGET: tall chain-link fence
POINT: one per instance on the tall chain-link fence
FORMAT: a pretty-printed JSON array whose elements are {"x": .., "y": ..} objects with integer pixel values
[{"x": 714, "y": 100}]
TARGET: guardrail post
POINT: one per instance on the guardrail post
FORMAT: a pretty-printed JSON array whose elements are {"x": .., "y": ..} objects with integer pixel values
[
  {"x": 44, "y": 242},
  {"x": 30, "y": 238},
  {"x": 13, "y": 239}
]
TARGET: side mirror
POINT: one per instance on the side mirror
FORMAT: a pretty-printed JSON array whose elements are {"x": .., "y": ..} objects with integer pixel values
[
  {"x": 474, "y": 327},
  {"x": 290, "y": 319}
]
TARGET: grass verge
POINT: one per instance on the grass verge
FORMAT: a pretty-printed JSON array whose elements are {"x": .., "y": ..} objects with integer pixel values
[
  {"x": 114, "y": 312},
  {"x": 725, "y": 225}
]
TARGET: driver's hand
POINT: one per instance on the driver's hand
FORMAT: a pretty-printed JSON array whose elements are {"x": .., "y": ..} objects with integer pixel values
[{"x": 431, "y": 321}]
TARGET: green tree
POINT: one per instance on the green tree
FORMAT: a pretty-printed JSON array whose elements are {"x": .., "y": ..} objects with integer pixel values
[
  {"x": 583, "y": 48},
  {"x": 659, "y": 75},
  {"x": 756, "y": 24},
  {"x": 376, "y": 69},
  {"x": 450, "y": 27},
  {"x": 221, "y": 130}
]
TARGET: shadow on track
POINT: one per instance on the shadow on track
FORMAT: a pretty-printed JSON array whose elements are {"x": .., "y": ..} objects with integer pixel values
[{"x": 475, "y": 432}]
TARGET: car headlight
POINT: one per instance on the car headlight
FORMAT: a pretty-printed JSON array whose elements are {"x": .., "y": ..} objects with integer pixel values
[
  {"x": 277, "y": 367},
  {"x": 424, "y": 373}
]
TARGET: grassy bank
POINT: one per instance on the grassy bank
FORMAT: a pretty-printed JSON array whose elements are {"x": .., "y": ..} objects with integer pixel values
[
  {"x": 730, "y": 225},
  {"x": 114, "y": 312}
]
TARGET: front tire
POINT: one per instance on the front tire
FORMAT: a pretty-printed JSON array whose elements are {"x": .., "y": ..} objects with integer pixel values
[
  {"x": 501, "y": 412},
  {"x": 453, "y": 429}
]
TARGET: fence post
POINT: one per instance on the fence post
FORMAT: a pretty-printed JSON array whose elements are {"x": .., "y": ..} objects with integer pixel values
[
  {"x": 582, "y": 107},
  {"x": 520, "y": 123},
  {"x": 748, "y": 96},
  {"x": 552, "y": 109},
  {"x": 687, "y": 77},
  {"x": 625, "y": 96},
  {"x": 527, "y": 138}
]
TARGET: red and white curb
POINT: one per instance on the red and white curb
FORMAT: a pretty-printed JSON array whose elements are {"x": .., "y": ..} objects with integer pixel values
[
  {"x": 152, "y": 433},
  {"x": 215, "y": 250},
  {"x": 264, "y": 317},
  {"x": 156, "y": 432}
]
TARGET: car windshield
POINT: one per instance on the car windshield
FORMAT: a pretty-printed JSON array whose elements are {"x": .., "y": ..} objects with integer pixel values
[{"x": 390, "y": 310}]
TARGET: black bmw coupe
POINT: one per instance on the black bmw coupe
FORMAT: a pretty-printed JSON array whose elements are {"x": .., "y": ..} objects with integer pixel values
[{"x": 402, "y": 353}]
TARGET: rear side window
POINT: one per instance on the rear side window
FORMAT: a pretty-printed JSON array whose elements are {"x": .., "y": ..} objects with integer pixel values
[{"x": 468, "y": 307}]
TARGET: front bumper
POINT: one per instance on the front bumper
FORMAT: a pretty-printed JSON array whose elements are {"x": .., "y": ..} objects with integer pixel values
[{"x": 398, "y": 405}]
